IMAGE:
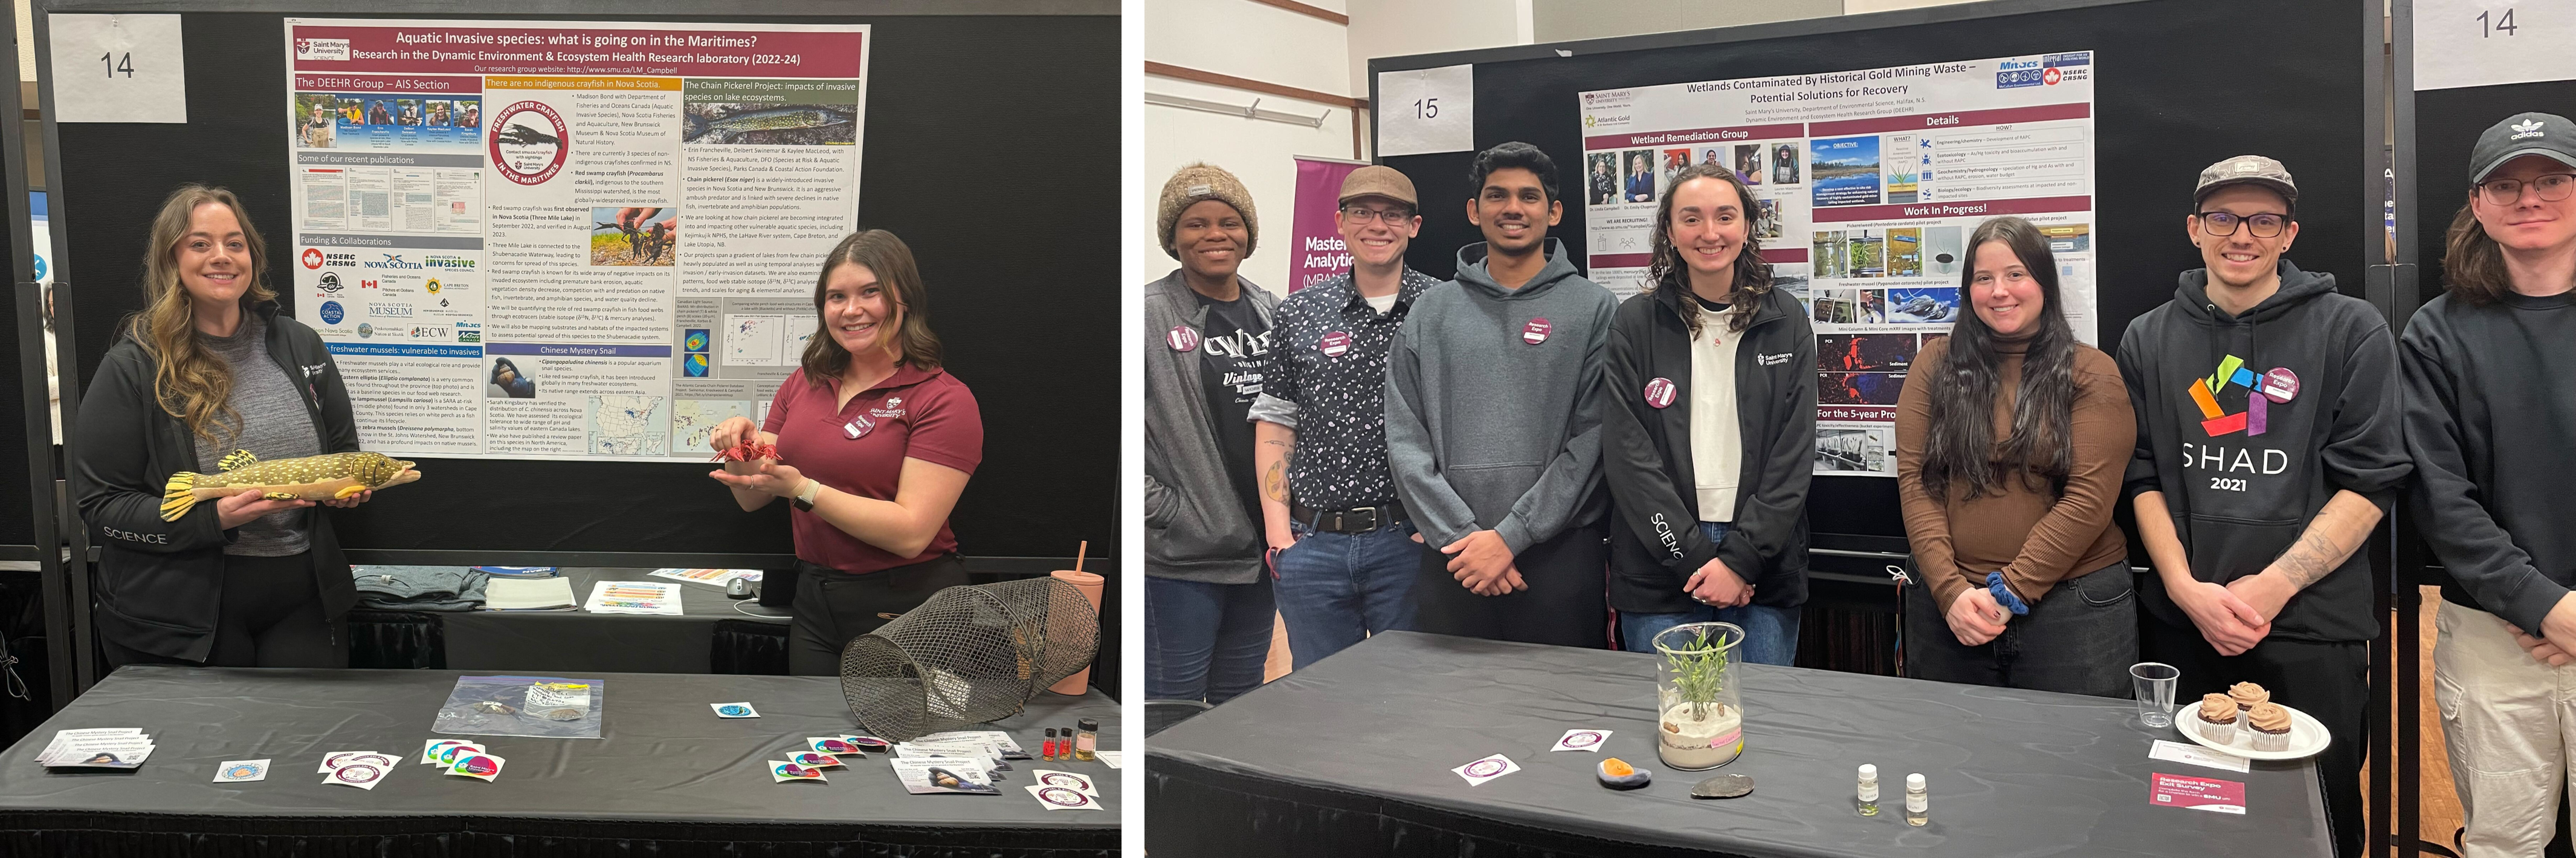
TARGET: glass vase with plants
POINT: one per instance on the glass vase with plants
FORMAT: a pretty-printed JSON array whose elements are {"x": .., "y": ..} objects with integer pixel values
[{"x": 1701, "y": 720}]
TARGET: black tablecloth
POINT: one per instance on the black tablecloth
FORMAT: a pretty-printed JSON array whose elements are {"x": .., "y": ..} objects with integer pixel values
[
  {"x": 1352, "y": 757},
  {"x": 667, "y": 778},
  {"x": 582, "y": 641}
]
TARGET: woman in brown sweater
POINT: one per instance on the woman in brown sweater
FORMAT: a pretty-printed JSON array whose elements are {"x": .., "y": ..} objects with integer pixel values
[{"x": 2011, "y": 442}]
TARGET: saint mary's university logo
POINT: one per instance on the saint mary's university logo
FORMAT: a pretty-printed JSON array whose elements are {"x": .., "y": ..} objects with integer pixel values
[{"x": 2279, "y": 385}]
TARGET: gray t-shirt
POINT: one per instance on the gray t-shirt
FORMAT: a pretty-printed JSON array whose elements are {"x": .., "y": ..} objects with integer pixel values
[{"x": 274, "y": 425}]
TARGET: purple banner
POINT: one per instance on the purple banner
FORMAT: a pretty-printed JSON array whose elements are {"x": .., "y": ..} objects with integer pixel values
[
  {"x": 552, "y": 350},
  {"x": 1320, "y": 253}
]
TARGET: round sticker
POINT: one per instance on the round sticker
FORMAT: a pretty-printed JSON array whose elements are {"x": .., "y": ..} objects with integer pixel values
[
  {"x": 477, "y": 765},
  {"x": 1182, "y": 338},
  {"x": 356, "y": 773},
  {"x": 810, "y": 758},
  {"x": 1334, "y": 344},
  {"x": 1485, "y": 768},
  {"x": 835, "y": 746},
  {"x": 2281, "y": 385},
  {"x": 1659, "y": 392},
  {"x": 734, "y": 711},
  {"x": 1535, "y": 332},
  {"x": 796, "y": 771},
  {"x": 1061, "y": 779},
  {"x": 858, "y": 427},
  {"x": 528, "y": 142},
  {"x": 312, "y": 258},
  {"x": 1587, "y": 738},
  {"x": 452, "y": 753},
  {"x": 331, "y": 313},
  {"x": 1061, "y": 797}
]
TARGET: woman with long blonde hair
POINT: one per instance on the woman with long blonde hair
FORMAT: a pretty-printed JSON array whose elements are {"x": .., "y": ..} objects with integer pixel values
[{"x": 207, "y": 367}]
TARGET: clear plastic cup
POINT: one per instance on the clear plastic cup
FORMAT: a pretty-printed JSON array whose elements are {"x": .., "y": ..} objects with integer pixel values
[{"x": 2154, "y": 682}]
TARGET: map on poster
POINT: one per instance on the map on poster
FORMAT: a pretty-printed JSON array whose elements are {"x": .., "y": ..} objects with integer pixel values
[
  {"x": 534, "y": 239},
  {"x": 1866, "y": 184}
]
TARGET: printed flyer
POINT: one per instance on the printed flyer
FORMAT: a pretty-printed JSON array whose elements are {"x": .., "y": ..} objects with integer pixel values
[
  {"x": 567, "y": 240},
  {"x": 1866, "y": 185}
]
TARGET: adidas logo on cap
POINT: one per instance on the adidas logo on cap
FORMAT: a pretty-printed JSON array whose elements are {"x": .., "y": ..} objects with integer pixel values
[{"x": 2526, "y": 128}]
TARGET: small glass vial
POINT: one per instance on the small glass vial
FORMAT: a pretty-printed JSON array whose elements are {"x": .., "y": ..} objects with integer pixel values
[
  {"x": 1049, "y": 754},
  {"x": 1918, "y": 801},
  {"x": 1086, "y": 744},
  {"x": 1867, "y": 802}
]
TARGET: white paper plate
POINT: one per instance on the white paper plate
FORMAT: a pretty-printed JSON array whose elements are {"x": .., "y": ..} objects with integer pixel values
[{"x": 2307, "y": 736}]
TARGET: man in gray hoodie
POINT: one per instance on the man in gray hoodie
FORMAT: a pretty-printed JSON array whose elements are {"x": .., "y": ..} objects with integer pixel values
[
  {"x": 1208, "y": 605},
  {"x": 1493, "y": 423}
]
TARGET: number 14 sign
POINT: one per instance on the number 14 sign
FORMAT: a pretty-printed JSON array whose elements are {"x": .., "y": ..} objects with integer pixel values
[
  {"x": 117, "y": 68},
  {"x": 2486, "y": 42}
]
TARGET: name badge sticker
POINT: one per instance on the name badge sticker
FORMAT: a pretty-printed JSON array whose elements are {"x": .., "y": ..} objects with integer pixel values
[
  {"x": 1536, "y": 331},
  {"x": 1334, "y": 344},
  {"x": 1182, "y": 338},
  {"x": 2281, "y": 385},
  {"x": 1659, "y": 393}
]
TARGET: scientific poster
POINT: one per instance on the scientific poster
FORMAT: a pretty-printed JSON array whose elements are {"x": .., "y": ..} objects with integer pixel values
[
  {"x": 566, "y": 240},
  {"x": 1866, "y": 185}
]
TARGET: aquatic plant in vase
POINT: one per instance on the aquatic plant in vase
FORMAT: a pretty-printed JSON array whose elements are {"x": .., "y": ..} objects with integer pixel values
[{"x": 1700, "y": 717}]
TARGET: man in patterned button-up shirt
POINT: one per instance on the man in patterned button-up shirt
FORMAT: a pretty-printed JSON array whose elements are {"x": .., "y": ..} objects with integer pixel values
[{"x": 1342, "y": 548}]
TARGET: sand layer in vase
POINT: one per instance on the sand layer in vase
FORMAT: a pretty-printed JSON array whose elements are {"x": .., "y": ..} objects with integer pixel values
[{"x": 1709, "y": 738}]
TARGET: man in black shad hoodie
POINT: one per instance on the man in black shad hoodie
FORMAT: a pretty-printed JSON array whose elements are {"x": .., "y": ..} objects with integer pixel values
[{"x": 2268, "y": 448}]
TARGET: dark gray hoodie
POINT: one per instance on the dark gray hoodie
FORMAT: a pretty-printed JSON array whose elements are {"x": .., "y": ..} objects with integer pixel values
[
  {"x": 1492, "y": 410},
  {"x": 2240, "y": 497}
]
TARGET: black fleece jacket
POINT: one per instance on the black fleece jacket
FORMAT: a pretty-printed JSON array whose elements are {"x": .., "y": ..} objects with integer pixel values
[
  {"x": 2491, "y": 421},
  {"x": 1646, "y": 455},
  {"x": 161, "y": 582},
  {"x": 2327, "y": 369}
]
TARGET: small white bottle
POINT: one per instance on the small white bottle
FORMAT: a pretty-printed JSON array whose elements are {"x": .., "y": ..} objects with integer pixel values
[
  {"x": 1867, "y": 804},
  {"x": 1918, "y": 802}
]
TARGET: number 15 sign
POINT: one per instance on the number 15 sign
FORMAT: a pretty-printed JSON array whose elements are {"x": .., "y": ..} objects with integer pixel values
[
  {"x": 1423, "y": 111},
  {"x": 117, "y": 68},
  {"x": 2487, "y": 42}
]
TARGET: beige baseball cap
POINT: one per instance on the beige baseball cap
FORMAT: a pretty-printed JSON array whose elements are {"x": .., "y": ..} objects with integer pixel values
[
  {"x": 2246, "y": 170},
  {"x": 1378, "y": 181}
]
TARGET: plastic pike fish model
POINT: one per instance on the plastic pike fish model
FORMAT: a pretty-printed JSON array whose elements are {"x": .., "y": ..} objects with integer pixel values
[
  {"x": 775, "y": 119},
  {"x": 313, "y": 478}
]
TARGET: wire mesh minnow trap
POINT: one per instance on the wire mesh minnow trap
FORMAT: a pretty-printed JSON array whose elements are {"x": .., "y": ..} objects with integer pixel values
[{"x": 969, "y": 655}]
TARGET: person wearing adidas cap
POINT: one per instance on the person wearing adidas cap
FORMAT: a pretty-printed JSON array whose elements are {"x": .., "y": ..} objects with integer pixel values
[
  {"x": 1208, "y": 605},
  {"x": 2268, "y": 448},
  {"x": 2491, "y": 422},
  {"x": 1343, "y": 557}
]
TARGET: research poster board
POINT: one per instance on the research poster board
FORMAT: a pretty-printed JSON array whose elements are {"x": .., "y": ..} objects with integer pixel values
[
  {"x": 1866, "y": 184},
  {"x": 566, "y": 240}
]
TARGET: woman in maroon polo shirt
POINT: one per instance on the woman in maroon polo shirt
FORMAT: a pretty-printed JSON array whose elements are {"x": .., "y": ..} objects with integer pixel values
[{"x": 881, "y": 443}]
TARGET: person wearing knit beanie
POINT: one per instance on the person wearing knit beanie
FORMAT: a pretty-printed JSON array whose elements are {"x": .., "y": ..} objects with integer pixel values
[{"x": 1200, "y": 182}]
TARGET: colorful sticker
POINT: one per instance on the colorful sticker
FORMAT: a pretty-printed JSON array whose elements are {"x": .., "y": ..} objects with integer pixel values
[
  {"x": 1182, "y": 338},
  {"x": 477, "y": 766},
  {"x": 820, "y": 761},
  {"x": 874, "y": 745},
  {"x": 236, "y": 771},
  {"x": 858, "y": 427},
  {"x": 334, "y": 761},
  {"x": 449, "y": 755},
  {"x": 429, "y": 750},
  {"x": 831, "y": 745},
  {"x": 735, "y": 710},
  {"x": 1068, "y": 780},
  {"x": 1659, "y": 392},
  {"x": 785, "y": 771},
  {"x": 1536, "y": 331},
  {"x": 1062, "y": 798},
  {"x": 361, "y": 775},
  {"x": 1335, "y": 344},
  {"x": 1582, "y": 740}
]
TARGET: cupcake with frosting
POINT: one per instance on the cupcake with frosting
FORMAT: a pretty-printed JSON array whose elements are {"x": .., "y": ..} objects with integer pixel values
[
  {"x": 2247, "y": 695},
  {"x": 2269, "y": 726},
  {"x": 2218, "y": 719}
]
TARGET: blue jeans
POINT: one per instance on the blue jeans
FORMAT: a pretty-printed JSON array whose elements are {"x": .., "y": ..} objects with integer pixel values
[
  {"x": 1205, "y": 641},
  {"x": 1336, "y": 589},
  {"x": 1770, "y": 634}
]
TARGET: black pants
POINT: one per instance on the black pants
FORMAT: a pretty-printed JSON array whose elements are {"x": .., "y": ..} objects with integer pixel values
[
  {"x": 1567, "y": 603},
  {"x": 271, "y": 616},
  {"x": 2080, "y": 638},
  {"x": 833, "y": 606},
  {"x": 2329, "y": 681}
]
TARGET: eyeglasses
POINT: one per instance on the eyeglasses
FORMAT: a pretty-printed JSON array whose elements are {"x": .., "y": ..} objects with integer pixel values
[
  {"x": 1364, "y": 214},
  {"x": 2551, "y": 188},
  {"x": 2265, "y": 225}
]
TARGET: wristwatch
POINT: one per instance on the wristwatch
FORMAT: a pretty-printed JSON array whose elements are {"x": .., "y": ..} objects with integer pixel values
[{"x": 804, "y": 498}]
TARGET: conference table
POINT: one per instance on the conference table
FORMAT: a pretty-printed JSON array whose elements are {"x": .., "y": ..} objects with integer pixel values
[
  {"x": 666, "y": 778},
  {"x": 1354, "y": 756}
]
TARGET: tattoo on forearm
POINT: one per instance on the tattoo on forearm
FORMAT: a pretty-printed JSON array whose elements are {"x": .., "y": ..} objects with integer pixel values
[
  {"x": 1274, "y": 485},
  {"x": 2310, "y": 559}
]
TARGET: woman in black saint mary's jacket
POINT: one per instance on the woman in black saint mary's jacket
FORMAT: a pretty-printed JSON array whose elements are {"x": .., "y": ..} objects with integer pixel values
[
  {"x": 1709, "y": 298},
  {"x": 225, "y": 584}
]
